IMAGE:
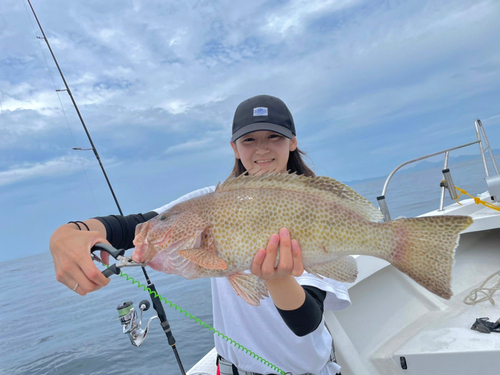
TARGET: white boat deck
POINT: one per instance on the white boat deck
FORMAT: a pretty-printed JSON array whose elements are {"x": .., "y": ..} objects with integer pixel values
[{"x": 206, "y": 366}]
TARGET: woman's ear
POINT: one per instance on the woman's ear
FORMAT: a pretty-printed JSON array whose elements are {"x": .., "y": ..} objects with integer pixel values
[
  {"x": 236, "y": 154},
  {"x": 293, "y": 143}
]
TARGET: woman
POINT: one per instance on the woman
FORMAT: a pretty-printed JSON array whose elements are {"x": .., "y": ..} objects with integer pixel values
[{"x": 287, "y": 329}]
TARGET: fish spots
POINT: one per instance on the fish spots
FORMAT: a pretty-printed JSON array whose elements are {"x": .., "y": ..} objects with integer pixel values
[{"x": 400, "y": 244}]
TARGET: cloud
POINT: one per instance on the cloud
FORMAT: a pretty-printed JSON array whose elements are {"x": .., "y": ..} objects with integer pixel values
[
  {"x": 192, "y": 63},
  {"x": 175, "y": 107},
  {"x": 188, "y": 146},
  {"x": 166, "y": 71},
  {"x": 24, "y": 96},
  {"x": 492, "y": 117},
  {"x": 59, "y": 166},
  {"x": 56, "y": 167},
  {"x": 213, "y": 142},
  {"x": 298, "y": 13}
]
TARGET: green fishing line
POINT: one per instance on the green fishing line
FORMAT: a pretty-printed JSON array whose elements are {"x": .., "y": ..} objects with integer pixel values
[{"x": 201, "y": 323}]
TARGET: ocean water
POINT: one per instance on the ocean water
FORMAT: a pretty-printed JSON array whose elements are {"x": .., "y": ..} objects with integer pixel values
[{"x": 47, "y": 329}]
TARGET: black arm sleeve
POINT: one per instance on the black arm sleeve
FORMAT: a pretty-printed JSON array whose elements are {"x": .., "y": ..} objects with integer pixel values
[
  {"x": 307, "y": 317},
  {"x": 120, "y": 230}
]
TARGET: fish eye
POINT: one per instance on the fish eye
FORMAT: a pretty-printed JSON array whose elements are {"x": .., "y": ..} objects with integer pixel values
[{"x": 163, "y": 217}]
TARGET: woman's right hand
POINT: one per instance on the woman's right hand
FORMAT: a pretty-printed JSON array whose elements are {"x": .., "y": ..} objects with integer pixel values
[{"x": 70, "y": 249}]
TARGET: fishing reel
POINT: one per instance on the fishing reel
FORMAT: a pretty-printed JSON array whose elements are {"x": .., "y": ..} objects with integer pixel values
[
  {"x": 128, "y": 317},
  {"x": 127, "y": 314}
]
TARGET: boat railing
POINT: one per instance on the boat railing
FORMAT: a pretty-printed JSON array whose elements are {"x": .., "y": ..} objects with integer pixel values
[{"x": 493, "y": 181}]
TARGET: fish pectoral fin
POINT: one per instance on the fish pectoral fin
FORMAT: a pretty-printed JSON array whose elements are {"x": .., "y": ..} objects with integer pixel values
[
  {"x": 205, "y": 258},
  {"x": 342, "y": 269},
  {"x": 249, "y": 287}
]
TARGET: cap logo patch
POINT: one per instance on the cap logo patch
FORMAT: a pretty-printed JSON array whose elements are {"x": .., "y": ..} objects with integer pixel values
[{"x": 260, "y": 111}]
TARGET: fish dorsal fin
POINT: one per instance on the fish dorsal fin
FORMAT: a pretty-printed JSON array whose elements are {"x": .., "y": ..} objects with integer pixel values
[{"x": 325, "y": 187}]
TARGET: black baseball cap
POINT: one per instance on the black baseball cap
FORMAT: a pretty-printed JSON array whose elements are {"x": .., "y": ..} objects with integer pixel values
[{"x": 262, "y": 112}]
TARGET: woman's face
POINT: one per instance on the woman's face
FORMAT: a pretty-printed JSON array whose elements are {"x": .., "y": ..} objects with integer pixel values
[{"x": 264, "y": 151}]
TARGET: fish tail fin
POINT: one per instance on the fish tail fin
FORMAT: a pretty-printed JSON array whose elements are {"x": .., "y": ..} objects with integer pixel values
[{"x": 425, "y": 248}]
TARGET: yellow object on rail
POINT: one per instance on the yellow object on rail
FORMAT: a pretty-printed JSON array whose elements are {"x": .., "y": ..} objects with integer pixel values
[{"x": 476, "y": 199}]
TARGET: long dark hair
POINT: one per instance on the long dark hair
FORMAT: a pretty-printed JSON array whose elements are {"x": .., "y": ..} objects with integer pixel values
[{"x": 295, "y": 164}]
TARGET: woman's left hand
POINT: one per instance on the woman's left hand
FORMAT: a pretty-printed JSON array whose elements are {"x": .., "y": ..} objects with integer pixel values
[{"x": 290, "y": 258}]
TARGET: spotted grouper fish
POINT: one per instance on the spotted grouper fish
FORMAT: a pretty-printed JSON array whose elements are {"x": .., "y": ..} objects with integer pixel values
[{"x": 218, "y": 234}]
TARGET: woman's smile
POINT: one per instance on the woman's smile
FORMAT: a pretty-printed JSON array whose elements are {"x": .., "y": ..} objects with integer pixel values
[{"x": 264, "y": 161}]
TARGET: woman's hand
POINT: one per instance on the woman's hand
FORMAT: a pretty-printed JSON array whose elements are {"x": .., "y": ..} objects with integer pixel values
[
  {"x": 70, "y": 249},
  {"x": 290, "y": 258},
  {"x": 286, "y": 292}
]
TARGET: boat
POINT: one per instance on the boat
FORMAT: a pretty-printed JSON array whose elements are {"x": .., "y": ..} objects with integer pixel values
[{"x": 396, "y": 327}]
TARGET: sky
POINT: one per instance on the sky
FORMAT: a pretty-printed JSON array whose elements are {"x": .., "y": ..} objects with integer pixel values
[{"x": 371, "y": 84}]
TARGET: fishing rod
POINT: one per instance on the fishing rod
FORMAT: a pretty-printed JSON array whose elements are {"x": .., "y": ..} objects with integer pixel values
[
  {"x": 126, "y": 312},
  {"x": 76, "y": 108}
]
